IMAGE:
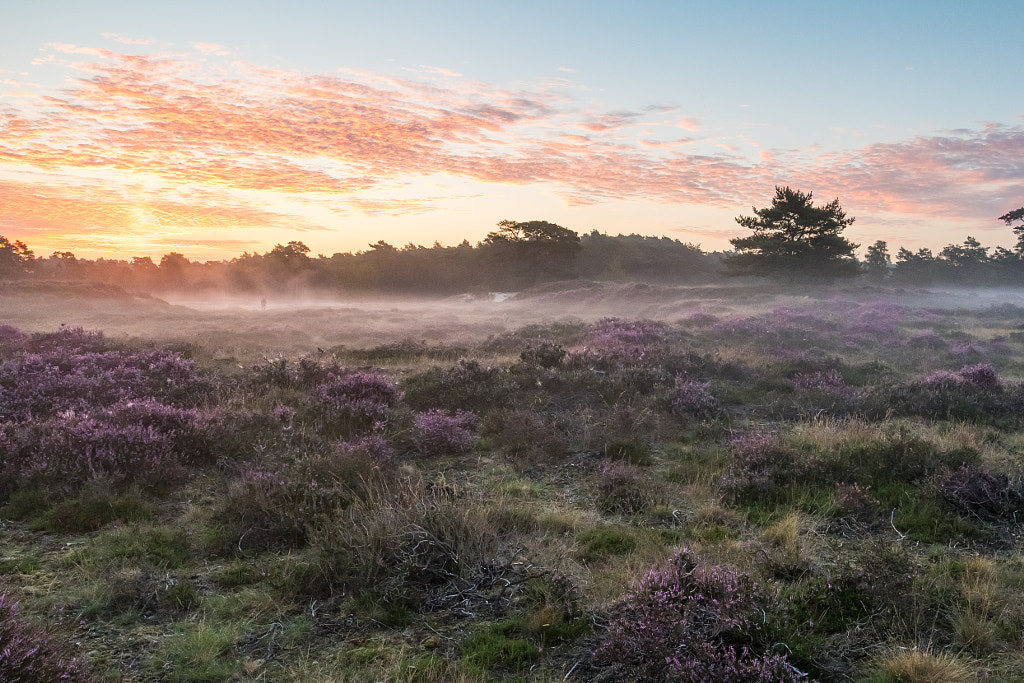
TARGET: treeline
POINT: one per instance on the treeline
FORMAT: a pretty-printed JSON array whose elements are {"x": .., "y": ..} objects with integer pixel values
[
  {"x": 516, "y": 256},
  {"x": 508, "y": 260}
]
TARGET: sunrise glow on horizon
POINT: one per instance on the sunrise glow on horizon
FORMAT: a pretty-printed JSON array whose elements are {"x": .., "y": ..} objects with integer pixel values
[{"x": 126, "y": 133}]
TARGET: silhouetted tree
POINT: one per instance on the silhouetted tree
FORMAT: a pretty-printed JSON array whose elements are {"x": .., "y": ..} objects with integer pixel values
[
  {"x": 967, "y": 256},
  {"x": 15, "y": 258},
  {"x": 1016, "y": 216},
  {"x": 793, "y": 238},
  {"x": 877, "y": 261},
  {"x": 534, "y": 250}
]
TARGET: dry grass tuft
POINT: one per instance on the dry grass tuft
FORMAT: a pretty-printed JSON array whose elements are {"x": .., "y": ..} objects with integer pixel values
[{"x": 921, "y": 666}]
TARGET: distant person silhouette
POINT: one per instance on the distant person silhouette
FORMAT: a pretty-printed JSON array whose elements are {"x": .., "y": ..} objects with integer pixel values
[{"x": 263, "y": 304}]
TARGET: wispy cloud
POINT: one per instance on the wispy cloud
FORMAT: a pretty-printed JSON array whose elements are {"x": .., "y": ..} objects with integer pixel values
[{"x": 224, "y": 144}]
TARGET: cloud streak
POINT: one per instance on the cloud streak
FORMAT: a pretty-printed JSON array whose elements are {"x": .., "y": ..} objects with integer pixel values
[{"x": 219, "y": 141}]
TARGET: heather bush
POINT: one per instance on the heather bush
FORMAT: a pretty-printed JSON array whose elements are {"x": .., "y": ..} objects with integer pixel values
[
  {"x": 272, "y": 506},
  {"x": 357, "y": 401},
  {"x": 623, "y": 489},
  {"x": 822, "y": 386},
  {"x": 524, "y": 436},
  {"x": 371, "y": 448},
  {"x": 760, "y": 468},
  {"x": 688, "y": 621},
  {"x": 692, "y": 398},
  {"x": 29, "y": 655},
  {"x": 141, "y": 440},
  {"x": 546, "y": 355},
  {"x": 972, "y": 393},
  {"x": 436, "y": 432},
  {"x": 304, "y": 374},
  {"x": 467, "y": 385},
  {"x": 38, "y": 385},
  {"x": 68, "y": 339},
  {"x": 616, "y": 343}
]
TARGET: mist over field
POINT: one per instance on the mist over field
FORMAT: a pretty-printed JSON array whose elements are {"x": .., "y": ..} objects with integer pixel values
[{"x": 302, "y": 323}]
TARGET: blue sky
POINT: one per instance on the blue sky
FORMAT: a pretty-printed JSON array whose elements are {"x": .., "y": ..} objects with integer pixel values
[{"x": 343, "y": 123}]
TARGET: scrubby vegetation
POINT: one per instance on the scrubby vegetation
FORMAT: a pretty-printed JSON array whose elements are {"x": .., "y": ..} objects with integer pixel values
[{"x": 825, "y": 488}]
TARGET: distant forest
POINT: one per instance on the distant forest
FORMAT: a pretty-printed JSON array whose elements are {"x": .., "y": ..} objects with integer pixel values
[{"x": 514, "y": 257}]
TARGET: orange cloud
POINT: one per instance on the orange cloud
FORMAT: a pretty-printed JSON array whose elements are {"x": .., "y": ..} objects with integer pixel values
[{"x": 220, "y": 138}]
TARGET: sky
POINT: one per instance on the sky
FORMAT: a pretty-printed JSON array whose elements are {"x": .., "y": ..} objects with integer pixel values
[{"x": 216, "y": 128}]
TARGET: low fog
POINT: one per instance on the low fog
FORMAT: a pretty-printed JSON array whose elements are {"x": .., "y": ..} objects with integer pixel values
[{"x": 308, "y": 322}]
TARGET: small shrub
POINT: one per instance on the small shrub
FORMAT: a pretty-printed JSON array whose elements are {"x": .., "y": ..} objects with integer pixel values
[
  {"x": 690, "y": 397},
  {"x": 29, "y": 655},
  {"x": 617, "y": 343},
  {"x": 760, "y": 468},
  {"x": 546, "y": 355},
  {"x": 855, "y": 502},
  {"x": 467, "y": 385},
  {"x": 435, "y": 432},
  {"x": 685, "y": 622},
  {"x": 622, "y": 489},
  {"x": 359, "y": 400},
  {"x": 524, "y": 436},
  {"x": 828, "y": 385}
]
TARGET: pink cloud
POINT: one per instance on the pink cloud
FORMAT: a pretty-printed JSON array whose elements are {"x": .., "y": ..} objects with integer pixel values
[
  {"x": 211, "y": 49},
  {"x": 342, "y": 140}
]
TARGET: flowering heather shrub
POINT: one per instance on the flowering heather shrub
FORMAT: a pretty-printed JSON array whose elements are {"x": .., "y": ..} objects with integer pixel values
[
  {"x": 979, "y": 492},
  {"x": 265, "y": 509},
  {"x": 38, "y": 385},
  {"x": 68, "y": 339},
  {"x": 928, "y": 340},
  {"x": 144, "y": 441},
  {"x": 973, "y": 393},
  {"x": 823, "y": 386},
  {"x": 710, "y": 662},
  {"x": 748, "y": 326},
  {"x": 967, "y": 350},
  {"x": 623, "y": 489},
  {"x": 690, "y": 397},
  {"x": 69, "y": 450},
  {"x": 759, "y": 467},
  {"x": 875, "y": 325},
  {"x": 682, "y": 622},
  {"x": 436, "y": 432},
  {"x": 283, "y": 415},
  {"x": 982, "y": 375},
  {"x": 359, "y": 399},
  {"x": 467, "y": 385},
  {"x": 614, "y": 342},
  {"x": 701, "y": 318},
  {"x": 799, "y": 319},
  {"x": 273, "y": 505},
  {"x": 305, "y": 374},
  {"x": 29, "y": 655}
]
